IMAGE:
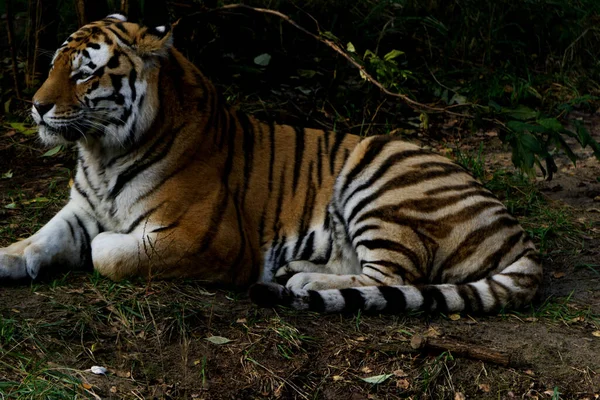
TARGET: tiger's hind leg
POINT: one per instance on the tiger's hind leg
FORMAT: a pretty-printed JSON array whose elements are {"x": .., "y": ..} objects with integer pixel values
[{"x": 365, "y": 255}]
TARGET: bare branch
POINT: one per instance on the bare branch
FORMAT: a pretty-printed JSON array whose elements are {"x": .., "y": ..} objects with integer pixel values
[{"x": 412, "y": 103}]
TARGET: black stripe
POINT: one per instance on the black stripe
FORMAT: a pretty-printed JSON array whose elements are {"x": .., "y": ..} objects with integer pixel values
[
  {"x": 121, "y": 27},
  {"x": 71, "y": 229},
  {"x": 320, "y": 161},
  {"x": 279, "y": 205},
  {"x": 492, "y": 262},
  {"x": 242, "y": 241},
  {"x": 470, "y": 244},
  {"x": 215, "y": 220},
  {"x": 372, "y": 266},
  {"x": 401, "y": 181},
  {"x": 85, "y": 250},
  {"x": 390, "y": 245},
  {"x": 433, "y": 299},
  {"x": 132, "y": 80},
  {"x": 228, "y": 167},
  {"x": 247, "y": 150},
  {"x": 298, "y": 154},
  {"x": 394, "y": 298},
  {"x": 125, "y": 41},
  {"x": 308, "y": 250},
  {"x": 363, "y": 229},
  {"x": 261, "y": 227},
  {"x": 339, "y": 138},
  {"x": 383, "y": 168},
  {"x": 472, "y": 299},
  {"x": 140, "y": 218},
  {"x": 315, "y": 301},
  {"x": 375, "y": 148},
  {"x": 157, "y": 152},
  {"x": 430, "y": 205},
  {"x": 453, "y": 188},
  {"x": 83, "y": 194},
  {"x": 307, "y": 212},
  {"x": 172, "y": 225},
  {"x": 353, "y": 299},
  {"x": 272, "y": 154}
]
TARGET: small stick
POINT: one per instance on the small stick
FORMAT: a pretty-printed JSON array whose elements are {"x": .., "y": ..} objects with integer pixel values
[{"x": 468, "y": 350}]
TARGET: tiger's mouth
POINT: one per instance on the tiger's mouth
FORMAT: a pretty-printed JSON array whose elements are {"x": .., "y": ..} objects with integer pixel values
[{"x": 68, "y": 133}]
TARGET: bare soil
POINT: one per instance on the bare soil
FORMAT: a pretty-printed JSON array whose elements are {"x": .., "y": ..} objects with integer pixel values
[{"x": 152, "y": 336}]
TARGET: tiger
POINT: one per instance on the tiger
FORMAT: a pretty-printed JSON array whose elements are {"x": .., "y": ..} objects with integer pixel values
[{"x": 171, "y": 182}]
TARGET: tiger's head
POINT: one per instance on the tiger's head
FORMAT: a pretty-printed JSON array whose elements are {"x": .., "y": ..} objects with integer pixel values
[{"x": 102, "y": 84}]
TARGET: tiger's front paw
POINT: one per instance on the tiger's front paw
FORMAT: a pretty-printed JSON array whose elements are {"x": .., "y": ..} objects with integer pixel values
[{"x": 20, "y": 260}]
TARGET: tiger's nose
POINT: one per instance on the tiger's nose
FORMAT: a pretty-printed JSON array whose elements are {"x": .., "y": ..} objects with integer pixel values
[{"x": 42, "y": 108}]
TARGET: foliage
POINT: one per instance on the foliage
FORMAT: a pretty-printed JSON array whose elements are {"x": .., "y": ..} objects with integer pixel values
[{"x": 521, "y": 66}]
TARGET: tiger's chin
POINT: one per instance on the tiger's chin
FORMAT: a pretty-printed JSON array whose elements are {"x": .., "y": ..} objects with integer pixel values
[{"x": 65, "y": 135}]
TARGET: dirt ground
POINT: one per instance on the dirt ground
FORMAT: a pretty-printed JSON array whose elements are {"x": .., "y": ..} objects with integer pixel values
[{"x": 165, "y": 340}]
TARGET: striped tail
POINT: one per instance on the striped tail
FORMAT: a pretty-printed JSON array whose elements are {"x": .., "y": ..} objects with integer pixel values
[{"x": 513, "y": 287}]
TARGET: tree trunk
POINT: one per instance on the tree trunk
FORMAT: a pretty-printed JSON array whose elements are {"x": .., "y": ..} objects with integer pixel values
[
  {"x": 91, "y": 10},
  {"x": 11, "y": 44}
]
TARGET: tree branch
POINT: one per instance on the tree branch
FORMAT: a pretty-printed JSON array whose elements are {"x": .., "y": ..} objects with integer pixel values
[{"x": 412, "y": 103}]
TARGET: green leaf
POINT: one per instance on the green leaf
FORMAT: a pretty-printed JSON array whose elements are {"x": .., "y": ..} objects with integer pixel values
[
  {"x": 521, "y": 112},
  {"x": 377, "y": 379},
  {"x": 11, "y": 206},
  {"x": 458, "y": 99},
  {"x": 7, "y": 175},
  {"x": 551, "y": 124},
  {"x": 22, "y": 128},
  {"x": 53, "y": 151},
  {"x": 350, "y": 48},
  {"x": 392, "y": 54},
  {"x": 218, "y": 339},
  {"x": 521, "y": 127},
  {"x": 369, "y": 54},
  {"x": 307, "y": 73},
  {"x": 263, "y": 59},
  {"x": 531, "y": 143},
  {"x": 329, "y": 35}
]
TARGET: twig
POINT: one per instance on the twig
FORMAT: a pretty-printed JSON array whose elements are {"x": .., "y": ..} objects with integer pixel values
[
  {"x": 363, "y": 72},
  {"x": 469, "y": 350}
]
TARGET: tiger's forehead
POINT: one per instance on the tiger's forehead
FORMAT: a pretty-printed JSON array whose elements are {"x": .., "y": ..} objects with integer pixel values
[{"x": 94, "y": 43}]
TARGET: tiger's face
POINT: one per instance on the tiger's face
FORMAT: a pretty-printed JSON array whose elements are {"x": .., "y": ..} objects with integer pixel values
[{"x": 102, "y": 84}]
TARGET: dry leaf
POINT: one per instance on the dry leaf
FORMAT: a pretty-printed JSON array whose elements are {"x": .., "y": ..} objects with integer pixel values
[
  {"x": 400, "y": 373},
  {"x": 432, "y": 332},
  {"x": 459, "y": 396},
  {"x": 484, "y": 387},
  {"x": 403, "y": 383},
  {"x": 241, "y": 321},
  {"x": 558, "y": 275},
  {"x": 113, "y": 389},
  {"x": 454, "y": 317},
  {"x": 366, "y": 370},
  {"x": 596, "y": 333},
  {"x": 337, "y": 378},
  {"x": 86, "y": 386}
]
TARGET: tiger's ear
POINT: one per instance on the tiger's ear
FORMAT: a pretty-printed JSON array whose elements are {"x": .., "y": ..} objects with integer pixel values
[{"x": 154, "y": 41}]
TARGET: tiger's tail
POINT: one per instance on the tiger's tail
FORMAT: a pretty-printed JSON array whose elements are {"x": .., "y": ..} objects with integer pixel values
[{"x": 513, "y": 287}]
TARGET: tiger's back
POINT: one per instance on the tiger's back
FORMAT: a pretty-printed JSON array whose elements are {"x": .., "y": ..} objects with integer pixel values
[{"x": 171, "y": 182}]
